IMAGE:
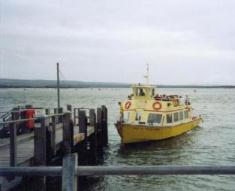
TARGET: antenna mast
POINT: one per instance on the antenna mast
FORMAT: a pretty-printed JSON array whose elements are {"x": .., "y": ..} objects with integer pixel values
[{"x": 147, "y": 74}]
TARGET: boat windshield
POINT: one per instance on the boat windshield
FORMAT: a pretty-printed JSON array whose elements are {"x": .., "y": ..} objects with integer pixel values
[{"x": 154, "y": 118}]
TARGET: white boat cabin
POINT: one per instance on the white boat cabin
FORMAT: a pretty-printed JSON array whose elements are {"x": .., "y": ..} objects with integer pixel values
[{"x": 146, "y": 108}]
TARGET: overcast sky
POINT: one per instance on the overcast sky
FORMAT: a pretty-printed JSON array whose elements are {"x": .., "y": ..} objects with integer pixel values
[{"x": 184, "y": 41}]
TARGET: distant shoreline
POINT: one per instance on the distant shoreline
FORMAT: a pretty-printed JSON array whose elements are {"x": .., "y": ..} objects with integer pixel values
[
  {"x": 157, "y": 86},
  {"x": 19, "y": 83}
]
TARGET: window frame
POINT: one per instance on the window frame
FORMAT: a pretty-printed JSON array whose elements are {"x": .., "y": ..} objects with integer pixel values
[
  {"x": 138, "y": 115},
  {"x": 171, "y": 114},
  {"x": 174, "y": 116},
  {"x": 181, "y": 116},
  {"x": 158, "y": 115},
  {"x": 186, "y": 116}
]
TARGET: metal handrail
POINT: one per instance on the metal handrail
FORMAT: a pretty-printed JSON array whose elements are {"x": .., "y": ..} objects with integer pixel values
[
  {"x": 119, "y": 170},
  {"x": 5, "y": 114},
  {"x": 29, "y": 119}
]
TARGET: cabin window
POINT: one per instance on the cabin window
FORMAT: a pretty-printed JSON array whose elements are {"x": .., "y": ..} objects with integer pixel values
[
  {"x": 126, "y": 116},
  {"x": 176, "y": 116},
  {"x": 138, "y": 116},
  {"x": 140, "y": 92},
  {"x": 153, "y": 92},
  {"x": 169, "y": 118},
  {"x": 181, "y": 115},
  {"x": 154, "y": 118},
  {"x": 186, "y": 114}
]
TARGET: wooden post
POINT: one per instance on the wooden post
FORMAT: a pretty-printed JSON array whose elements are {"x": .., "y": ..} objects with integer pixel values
[
  {"x": 60, "y": 111},
  {"x": 47, "y": 111},
  {"x": 40, "y": 141},
  {"x": 93, "y": 139},
  {"x": 13, "y": 139},
  {"x": 69, "y": 178},
  {"x": 53, "y": 135},
  {"x": 69, "y": 108},
  {"x": 40, "y": 148},
  {"x": 68, "y": 132},
  {"x": 105, "y": 124},
  {"x": 92, "y": 118},
  {"x": 82, "y": 122},
  {"x": 55, "y": 110},
  {"x": 99, "y": 119},
  {"x": 48, "y": 138},
  {"x": 74, "y": 116},
  {"x": 13, "y": 144},
  {"x": 100, "y": 141},
  {"x": 83, "y": 145}
]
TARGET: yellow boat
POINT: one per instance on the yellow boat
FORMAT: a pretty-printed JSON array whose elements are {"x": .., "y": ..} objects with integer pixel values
[{"x": 146, "y": 116}]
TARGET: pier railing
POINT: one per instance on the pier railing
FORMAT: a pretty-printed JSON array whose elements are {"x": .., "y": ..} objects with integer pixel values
[
  {"x": 40, "y": 132},
  {"x": 44, "y": 134},
  {"x": 54, "y": 135},
  {"x": 70, "y": 171}
]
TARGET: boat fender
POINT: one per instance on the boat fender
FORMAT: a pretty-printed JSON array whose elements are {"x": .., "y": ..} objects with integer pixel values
[
  {"x": 128, "y": 105},
  {"x": 157, "y": 105}
]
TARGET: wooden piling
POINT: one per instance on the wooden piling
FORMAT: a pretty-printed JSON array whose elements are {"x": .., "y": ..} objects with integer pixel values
[
  {"x": 49, "y": 137},
  {"x": 83, "y": 145},
  {"x": 100, "y": 142},
  {"x": 47, "y": 111},
  {"x": 13, "y": 139},
  {"x": 13, "y": 145},
  {"x": 105, "y": 124},
  {"x": 69, "y": 178},
  {"x": 82, "y": 122},
  {"x": 93, "y": 139},
  {"x": 56, "y": 111},
  {"x": 92, "y": 116},
  {"x": 68, "y": 133},
  {"x": 60, "y": 111},
  {"x": 40, "y": 141},
  {"x": 69, "y": 108},
  {"x": 40, "y": 148},
  {"x": 53, "y": 135},
  {"x": 75, "y": 115}
]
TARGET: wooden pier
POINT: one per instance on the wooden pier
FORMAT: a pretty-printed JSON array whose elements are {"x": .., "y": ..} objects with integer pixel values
[{"x": 58, "y": 133}]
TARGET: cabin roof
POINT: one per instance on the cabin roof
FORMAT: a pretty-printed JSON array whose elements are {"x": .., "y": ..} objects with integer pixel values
[{"x": 143, "y": 86}]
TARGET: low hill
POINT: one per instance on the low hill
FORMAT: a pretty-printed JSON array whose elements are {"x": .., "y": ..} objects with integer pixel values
[{"x": 19, "y": 83}]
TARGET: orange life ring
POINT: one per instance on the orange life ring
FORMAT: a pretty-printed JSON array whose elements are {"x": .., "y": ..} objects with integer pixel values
[
  {"x": 157, "y": 105},
  {"x": 127, "y": 105}
]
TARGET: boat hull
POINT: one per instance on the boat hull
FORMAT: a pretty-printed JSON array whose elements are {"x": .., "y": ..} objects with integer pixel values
[{"x": 141, "y": 133}]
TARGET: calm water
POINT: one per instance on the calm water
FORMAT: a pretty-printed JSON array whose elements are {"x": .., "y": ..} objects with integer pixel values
[{"x": 211, "y": 144}]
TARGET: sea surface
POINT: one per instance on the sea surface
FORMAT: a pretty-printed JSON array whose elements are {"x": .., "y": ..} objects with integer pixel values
[{"x": 213, "y": 143}]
